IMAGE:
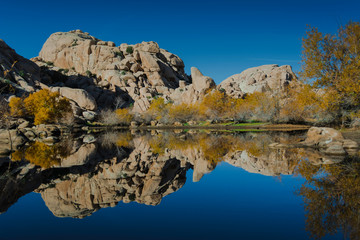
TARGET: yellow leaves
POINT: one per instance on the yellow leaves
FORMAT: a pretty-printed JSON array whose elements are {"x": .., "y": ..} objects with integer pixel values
[
  {"x": 40, "y": 154},
  {"x": 124, "y": 140},
  {"x": 215, "y": 104},
  {"x": 158, "y": 108},
  {"x": 17, "y": 108},
  {"x": 331, "y": 196},
  {"x": 124, "y": 115},
  {"x": 44, "y": 106},
  {"x": 303, "y": 102},
  {"x": 332, "y": 62},
  {"x": 183, "y": 112}
]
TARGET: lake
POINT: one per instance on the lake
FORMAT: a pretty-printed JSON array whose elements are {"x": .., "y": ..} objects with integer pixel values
[{"x": 182, "y": 184}]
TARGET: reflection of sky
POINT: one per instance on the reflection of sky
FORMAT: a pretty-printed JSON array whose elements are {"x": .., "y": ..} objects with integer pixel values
[{"x": 228, "y": 203}]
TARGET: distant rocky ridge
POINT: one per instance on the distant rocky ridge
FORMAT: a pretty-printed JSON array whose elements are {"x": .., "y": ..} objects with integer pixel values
[{"x": 96, "y": 74}]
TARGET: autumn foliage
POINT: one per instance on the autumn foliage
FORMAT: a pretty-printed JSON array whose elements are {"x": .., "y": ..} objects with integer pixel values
[
  {"x": 40, "y": 154},
  {"x": 331, "y": 62},
  {"x": 44, "y": 106}
]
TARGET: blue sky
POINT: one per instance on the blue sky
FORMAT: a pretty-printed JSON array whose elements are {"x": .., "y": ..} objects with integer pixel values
[{"x": 221, "y": 38}]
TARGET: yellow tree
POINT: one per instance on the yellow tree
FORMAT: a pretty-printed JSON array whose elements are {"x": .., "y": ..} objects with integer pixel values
[
  {"x": 158, "y": 109},
  {"x": 44, "y": 106},
  {"x": 183, "y": 112},
  {"x": 215, "y": 105},
  {"x": 332, "y": 62}
]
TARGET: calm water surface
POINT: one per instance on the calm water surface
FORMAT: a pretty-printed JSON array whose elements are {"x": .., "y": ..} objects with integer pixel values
[{"x": 183, "y": 185}]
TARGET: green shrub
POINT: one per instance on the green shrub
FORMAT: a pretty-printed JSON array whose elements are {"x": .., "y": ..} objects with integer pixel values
[
  {"x": 22, "y": 73},
  {"x": 119, "y": 54},
  {"x": 130, "y": 49}
]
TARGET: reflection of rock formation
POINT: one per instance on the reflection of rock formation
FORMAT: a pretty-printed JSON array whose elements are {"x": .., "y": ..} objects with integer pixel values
[
  {"x": 96, "y": 176},
  {"x": 16, "y": 180},
  {"x": 274, "y": 163}
]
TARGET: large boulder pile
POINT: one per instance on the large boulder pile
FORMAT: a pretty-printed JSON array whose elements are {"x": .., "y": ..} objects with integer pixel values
[
  {"x": 131, "y": 73},
  {"x": 259, "y": 79},
  {"x": 96, "y": 74}
]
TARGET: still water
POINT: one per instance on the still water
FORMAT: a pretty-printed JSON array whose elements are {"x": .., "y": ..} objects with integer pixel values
[{"x": 178, "y": 185}]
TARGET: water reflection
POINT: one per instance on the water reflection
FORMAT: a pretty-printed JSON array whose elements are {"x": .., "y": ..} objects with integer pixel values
[
  {"x": 75, "y": 179},
  {"x": 331, "y": 197}
]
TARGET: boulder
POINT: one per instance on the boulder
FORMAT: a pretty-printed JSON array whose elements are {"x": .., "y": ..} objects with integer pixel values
[
  {"x": 200, "y": 82},
  {"x": 329, "y": 141},
  {"x": 80, "y": 96},
  {"x": 89, "y": 115},
  {"x": 259, "y": 79}
]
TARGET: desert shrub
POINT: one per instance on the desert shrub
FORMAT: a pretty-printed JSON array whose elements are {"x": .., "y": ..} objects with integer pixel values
[
  {"x": 22, "y": 73},
  {"x": 183, "y": 112},
  {"x": 130, "y": 49},
  {"x": 216, "y": 105},
  {"x": 119, "y": 54},
  {"x": 124, "y": 115},
  {"x": 88, "y": 73},
  {"x": 302, "y": 104},
  {"x": 158, "y": 110},
  {"x": 109, "y": 117},
  {"x": 260, "y": 107}
]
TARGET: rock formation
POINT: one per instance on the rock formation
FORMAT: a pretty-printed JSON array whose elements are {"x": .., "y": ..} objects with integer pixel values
[
  {"x": 131, "y": 73},
  {"x": 94, "y": 176},
  {"x": 258, "y": 79},
  {"x": 96, "y": 74},
  {"x": 329, "y": 141},
  {"x": 24, "y": 73}
]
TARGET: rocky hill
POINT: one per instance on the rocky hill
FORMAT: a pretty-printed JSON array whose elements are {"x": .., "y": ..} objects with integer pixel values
[
  {"x": 96, "y": 74},
  {"x": 129, "y": 73},
  {"x": 20, "y": 72}
]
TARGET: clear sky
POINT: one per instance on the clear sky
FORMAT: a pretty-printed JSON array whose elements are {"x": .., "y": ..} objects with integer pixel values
[{"x": 221, "y": 38}]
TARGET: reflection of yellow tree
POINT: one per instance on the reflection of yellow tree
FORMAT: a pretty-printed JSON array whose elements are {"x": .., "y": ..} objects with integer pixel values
[
  {"x": 214, "y": 147},
  {"x": 124, "y": 139},
  {"x": 41, "y": 154},
  {"x": 331, "y": 196}
]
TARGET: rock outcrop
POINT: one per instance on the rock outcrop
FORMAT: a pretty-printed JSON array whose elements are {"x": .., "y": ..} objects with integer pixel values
[
  {"x": 258, "y": 79},
  {"x": 329, "y": 141},
  {"x": 96, "y": 74},
  {"x": 131, "y": 73},
  {"x": 24, "y": 73},
  {"x": 194, "y": 92}
]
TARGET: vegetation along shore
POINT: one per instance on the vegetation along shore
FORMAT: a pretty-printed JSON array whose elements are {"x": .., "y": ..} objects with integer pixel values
[{"x": 81, "y": 82}]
